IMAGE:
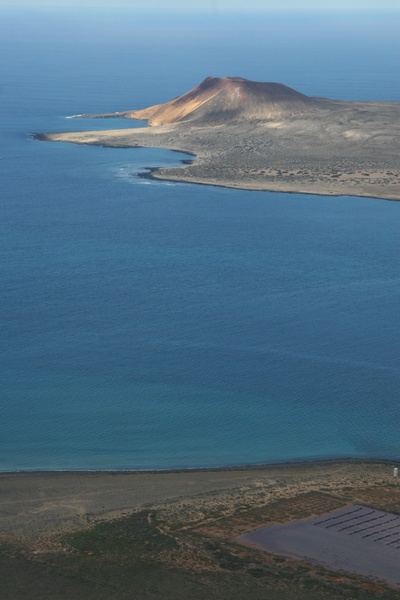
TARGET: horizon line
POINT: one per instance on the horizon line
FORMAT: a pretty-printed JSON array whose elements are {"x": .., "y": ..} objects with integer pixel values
[{"x": 203, "y": 10}]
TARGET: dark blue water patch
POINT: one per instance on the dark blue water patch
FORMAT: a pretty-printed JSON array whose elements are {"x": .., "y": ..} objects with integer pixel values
[
  {"x": 265, "y": 335},
  {"x": 147, "y": 324}
]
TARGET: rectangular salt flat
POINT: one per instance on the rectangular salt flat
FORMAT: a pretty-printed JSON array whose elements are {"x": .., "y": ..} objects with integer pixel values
[{"x": 356, "y": 539}]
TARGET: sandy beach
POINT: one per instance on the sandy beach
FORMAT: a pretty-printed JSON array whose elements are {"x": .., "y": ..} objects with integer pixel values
[{"x": 43, "y": 501}]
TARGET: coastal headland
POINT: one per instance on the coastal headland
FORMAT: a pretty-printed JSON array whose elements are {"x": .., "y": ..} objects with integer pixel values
[
  {"x": 266, "y": 136},
  {"x": 177, "y": 534}
]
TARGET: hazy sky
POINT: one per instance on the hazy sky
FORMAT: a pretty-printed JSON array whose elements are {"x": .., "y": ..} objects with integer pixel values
[{"x": 216, "y": 5}]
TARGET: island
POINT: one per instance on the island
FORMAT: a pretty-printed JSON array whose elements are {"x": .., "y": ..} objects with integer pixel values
[{"x": 266, "y": 136}]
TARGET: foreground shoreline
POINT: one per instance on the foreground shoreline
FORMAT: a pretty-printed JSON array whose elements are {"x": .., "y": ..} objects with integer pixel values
[
  {"x": 33, "y": 501},
  {"x": 229, "y": 468}
]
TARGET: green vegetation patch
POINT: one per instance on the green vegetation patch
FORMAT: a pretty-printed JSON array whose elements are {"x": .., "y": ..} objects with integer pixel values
[{"x": 135, "y": 537}]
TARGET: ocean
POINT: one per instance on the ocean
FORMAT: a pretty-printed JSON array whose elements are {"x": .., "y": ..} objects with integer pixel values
[{"x": 154, "y": 325}]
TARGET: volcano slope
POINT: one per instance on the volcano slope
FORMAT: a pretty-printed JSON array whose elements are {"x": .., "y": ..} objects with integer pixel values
[{"x": 266, "y": 136}]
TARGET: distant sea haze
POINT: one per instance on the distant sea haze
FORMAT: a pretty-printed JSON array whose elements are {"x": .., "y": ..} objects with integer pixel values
[{"x": 151, "y": 325}]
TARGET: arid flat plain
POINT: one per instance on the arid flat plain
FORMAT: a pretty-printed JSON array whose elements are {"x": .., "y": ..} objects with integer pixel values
[
  {"x": 175, "y": 534},
  {"x": 43, "y": 501}
]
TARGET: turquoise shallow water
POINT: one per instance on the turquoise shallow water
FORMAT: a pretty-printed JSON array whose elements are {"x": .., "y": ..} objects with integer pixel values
[{"x": 154, "y": 325}]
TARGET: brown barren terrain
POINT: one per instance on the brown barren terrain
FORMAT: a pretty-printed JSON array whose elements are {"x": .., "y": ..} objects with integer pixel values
[
  {"x": 174, "y": 534},
  {"x": 266, "y": 136}
]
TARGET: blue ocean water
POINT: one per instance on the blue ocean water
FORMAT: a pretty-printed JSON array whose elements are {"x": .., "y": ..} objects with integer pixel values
[{"x": 150, "y": 325}]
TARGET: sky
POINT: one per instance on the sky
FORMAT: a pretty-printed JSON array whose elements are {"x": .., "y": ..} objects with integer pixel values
[{"x": 215, "y": 5}]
